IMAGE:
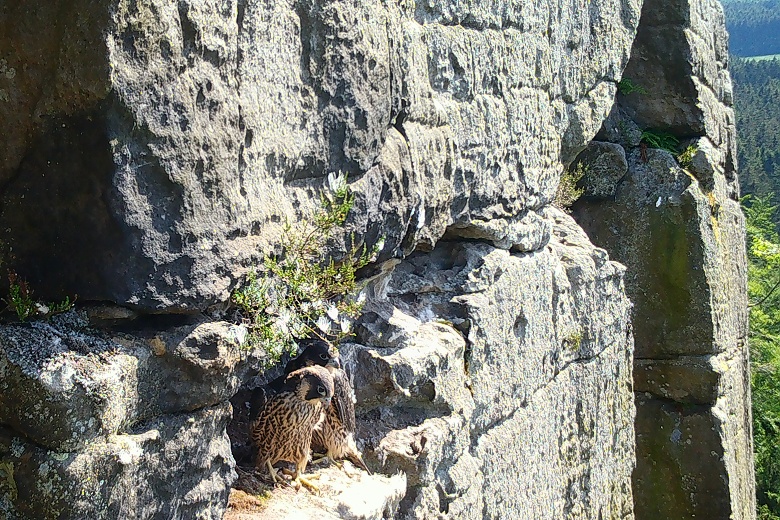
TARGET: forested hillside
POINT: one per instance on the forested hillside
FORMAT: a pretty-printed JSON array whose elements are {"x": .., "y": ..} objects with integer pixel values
[
  {"x": 757, "y": 100},
  {"x": 754, "y": 26},
  {"x": 764, "y": 280}
]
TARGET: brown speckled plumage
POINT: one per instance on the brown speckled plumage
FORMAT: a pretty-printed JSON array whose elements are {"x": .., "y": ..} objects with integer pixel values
[
  {"x": 335, "y": 435},
  {"x": 282, "y": 430}
]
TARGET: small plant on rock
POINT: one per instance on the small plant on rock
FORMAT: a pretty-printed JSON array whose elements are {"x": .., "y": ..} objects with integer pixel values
[
  {"x": 626, "y": 86},
  {"x": 568, "y": 192},
  {"x": 573, "y": 340},
  {"x": 661, "y": 140},
  {"x": 298, "y": 293},
  {"x": 686, "y": 156},
  {"x": 20, "y": 297},
  {"x": 20, "y": 300}
]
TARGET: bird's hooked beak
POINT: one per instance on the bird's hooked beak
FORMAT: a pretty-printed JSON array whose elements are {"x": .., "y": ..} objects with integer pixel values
[
  {"x": 325, "y": 401},
  {"x": 334, "y": 362}
]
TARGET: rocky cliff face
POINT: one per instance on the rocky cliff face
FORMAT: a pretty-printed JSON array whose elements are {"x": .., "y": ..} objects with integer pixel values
[
  {"x": 682, "y": 245},
  {"x": 153, "y": 151}
]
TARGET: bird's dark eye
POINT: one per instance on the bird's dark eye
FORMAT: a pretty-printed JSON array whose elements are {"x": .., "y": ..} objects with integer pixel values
[
  {"x": 321, "y": 390},
  {"x": 324, "y": 357}
]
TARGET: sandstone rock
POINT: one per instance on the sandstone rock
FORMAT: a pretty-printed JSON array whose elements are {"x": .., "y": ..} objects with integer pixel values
[
  {"x": 707, "y": 161},
  {"x": 604, "y": 165},
  {"x": 619, "y": 128},
  {"x": 681, "y": 235},
  {"x": 688, "y": 381},
  {"x": 156, "y": 150},
  {"x": 173, "y": 467},
  {"x": 671, "y": 297},
  {"x": 354, "y": 496},
  {"x": 63, "y": 387},
  {"x": 159, "y": 147},
  {"x": 484, "y": 427},
  {"x": 529, "y": 232}
]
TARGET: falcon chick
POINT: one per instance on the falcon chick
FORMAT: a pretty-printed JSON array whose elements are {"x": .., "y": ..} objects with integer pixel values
[
  {"x": 282, "y": 430},
  {"x": 335, "y": 435},
  {"x": 317, "y": 352}
]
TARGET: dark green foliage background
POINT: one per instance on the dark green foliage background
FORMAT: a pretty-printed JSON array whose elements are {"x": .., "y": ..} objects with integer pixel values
[
  {"x": 764, "y": 279},
  {"x": 754, "y": 26},
  {"x": 757, "y": 106}
]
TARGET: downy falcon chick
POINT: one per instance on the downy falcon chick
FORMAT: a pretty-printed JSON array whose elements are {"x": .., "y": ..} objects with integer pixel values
[{"x": 282, "y": 430}]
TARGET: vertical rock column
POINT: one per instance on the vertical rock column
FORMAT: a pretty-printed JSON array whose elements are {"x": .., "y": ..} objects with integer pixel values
[{"x": 675, "y": 221}]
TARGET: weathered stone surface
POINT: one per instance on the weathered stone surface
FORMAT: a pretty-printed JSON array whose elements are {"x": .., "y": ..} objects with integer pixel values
[
  {"x": 528, "y": 232},
  {"x": 62, "y": 385},
  {"x": 151, "y": 151},
  {"x": 684, "y": 249},
  {"x": 676, "y": 442},
  {"x": 688, "y": 381},
  {"x": 671, "y": 293},
  {"x": 680, "y": 232},
  {"x": 685, "y": 443},
  {"x": 619, "y": 128},
  {"x": 680, "y": 57},
  {"x": 480, "y": 421},
  {"x": 604, "y": 165},
  {"x": 159, "y": 146},
  {"x": 174, "y": 467}
]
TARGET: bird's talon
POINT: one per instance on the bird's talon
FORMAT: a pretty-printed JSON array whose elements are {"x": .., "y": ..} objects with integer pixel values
[{"x": 309, "y": 485}]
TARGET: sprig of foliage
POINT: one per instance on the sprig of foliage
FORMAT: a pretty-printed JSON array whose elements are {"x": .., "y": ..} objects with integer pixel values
[
  {"x": 20, "y": 297},
  {"x": 661, "y": 140},
  {"x": 568, "y": 192},
  {"x": 20, "y": 300},
  {"x": 626, "y": 86},
  {"x": 685, "y": 158},
  {"x": 299, "y": 294}
]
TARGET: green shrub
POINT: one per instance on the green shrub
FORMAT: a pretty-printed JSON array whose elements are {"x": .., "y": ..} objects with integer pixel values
[
  {"x": 298, "y": 293},
  {"x": 763, "y": 282},
  {"x": 568, "y": 192}
]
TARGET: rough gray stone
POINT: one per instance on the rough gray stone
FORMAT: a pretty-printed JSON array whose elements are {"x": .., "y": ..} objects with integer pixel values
[
  {"x": 619, "y": 128},
  {"x": 604, "y": 165},
  {"x": 681, "y": 235},
  {"x": 154, "y": 150},
  {"x": 63, "y": 387},
  {"x": 680, "y": 57},
  {"x": 344, "y": 495},
  {"x": 162, "y": 145},
  {"x": 519, "y": 234},
  {"x": 670, "y": 290},
  {"x": 688, "y": 381},
  {"x": 684, "y": 249},
  {"x": 675, "y": 443},
  {"x": 174, "y": 467},
  {"x": 706, "y": 162},
  {"x": 472, "y": 404}
]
